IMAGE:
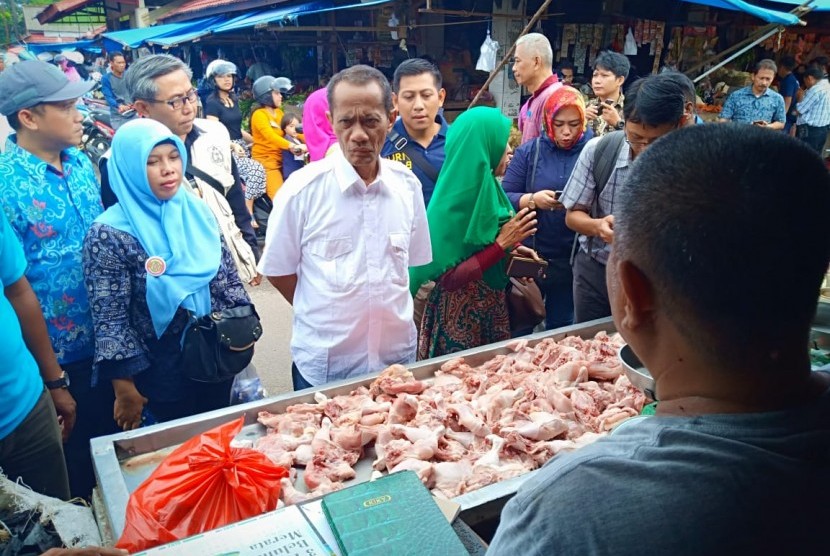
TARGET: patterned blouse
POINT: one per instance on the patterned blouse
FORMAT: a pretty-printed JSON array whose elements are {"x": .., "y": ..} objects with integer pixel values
[
  {"x": 50, "y": 212},
  {"x": 125, "y": 342}
]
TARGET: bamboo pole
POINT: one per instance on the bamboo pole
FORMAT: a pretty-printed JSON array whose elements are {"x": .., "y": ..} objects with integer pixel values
[{"x": 510, "y": 52}]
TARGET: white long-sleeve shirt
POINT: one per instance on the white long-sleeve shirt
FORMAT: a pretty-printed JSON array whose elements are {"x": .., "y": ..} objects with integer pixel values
[{"x": 351, "y": 246}]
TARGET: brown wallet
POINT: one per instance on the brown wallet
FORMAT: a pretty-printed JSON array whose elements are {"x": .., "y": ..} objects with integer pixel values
[{"x": 526, "y": 267}]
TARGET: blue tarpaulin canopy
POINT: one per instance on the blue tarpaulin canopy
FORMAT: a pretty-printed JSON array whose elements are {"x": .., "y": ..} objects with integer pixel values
[
  {"x": 817, "y": 5},
  {"x": 768, "y": 15},
  {"x": 133, "y": 38},
  {"x": 61, "y": 46},
  {"x": 249, "y": 20}
]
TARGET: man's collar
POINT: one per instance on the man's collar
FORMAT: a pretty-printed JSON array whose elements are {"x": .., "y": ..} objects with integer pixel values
[
  {"x": 400, "y": 127},
  {"x": 347, "y": 176},
  {"x": 545, "y": 84},
  {"x": 14, "y": 151},
  {"x": 624, "y": 159}
]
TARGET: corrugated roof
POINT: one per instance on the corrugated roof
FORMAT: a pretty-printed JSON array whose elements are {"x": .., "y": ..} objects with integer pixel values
[
  {"x": 200, "y": 8},
  {"x": 63, "y": 8}
]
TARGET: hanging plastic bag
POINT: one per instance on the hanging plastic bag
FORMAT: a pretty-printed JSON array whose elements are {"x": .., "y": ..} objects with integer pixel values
[
  {"x": 247, "y": 386},
  {"x": 487, "y": 58},
  {"x": 630, "y": 48},
  {"x": 202, "y": 485}
]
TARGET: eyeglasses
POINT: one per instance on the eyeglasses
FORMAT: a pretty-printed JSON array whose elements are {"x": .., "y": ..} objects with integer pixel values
[{"x": 178, "y": 102}]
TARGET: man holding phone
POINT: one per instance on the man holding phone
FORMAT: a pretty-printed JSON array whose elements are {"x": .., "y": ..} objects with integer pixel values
[{"x": 757, "y": 104}]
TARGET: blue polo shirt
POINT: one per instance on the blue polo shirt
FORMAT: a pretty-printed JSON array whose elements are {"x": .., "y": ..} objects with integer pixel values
[
  {"x": 20, "y": 380},
  {"x": 50, "y": 212},
  {"x": 434, "y": 154},
  {"x": 744, "y": 106}
]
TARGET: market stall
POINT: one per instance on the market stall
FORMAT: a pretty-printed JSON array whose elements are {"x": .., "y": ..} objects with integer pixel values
[{"x": 123, "y": 461}]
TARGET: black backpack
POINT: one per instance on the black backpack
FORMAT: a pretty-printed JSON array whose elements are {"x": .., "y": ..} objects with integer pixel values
[{"x": 605, "y": 158}]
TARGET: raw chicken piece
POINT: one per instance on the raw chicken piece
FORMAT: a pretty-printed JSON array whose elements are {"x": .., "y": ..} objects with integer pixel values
[
  {"x": 348, "y": 437},
  {"x": 292, "y": 423},
  {"x": 463, "y": 438},
  {"x": 541, "y": 426},
  {"x": 404, "y": 409},
  {"x": 469, "y": 419},
  {"x": 303, "y": 455},
  {"x": 605, "y": 371},
  {"x": 272, "y": 446},
  {"x": 571, "y": 373},
  {"x": 613, "y": 416},
  {"x": 422, "y": 468},
  {"x": 449, "y": 450},
  {"x": 449, "y": 477},
  {"x": 492, "y": 457},
  {"x": 331, "y": 466},
  {"x": 584, "y": 406},
  {"x": 394, "y": 380},
  {"x": 456, "y": 367},
  {"x": 486, "y": 475},
  {"x": 291, "y": 495}
]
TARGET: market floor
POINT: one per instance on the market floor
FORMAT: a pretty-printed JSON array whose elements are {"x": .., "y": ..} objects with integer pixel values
[{"x": 272, "y": 356}]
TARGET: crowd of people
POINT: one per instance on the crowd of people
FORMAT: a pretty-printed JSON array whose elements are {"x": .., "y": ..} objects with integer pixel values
[{"x": 390, "y": 234}]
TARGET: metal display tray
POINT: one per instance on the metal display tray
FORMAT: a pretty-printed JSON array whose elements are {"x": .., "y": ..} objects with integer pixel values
[{"x": 122, "y": 461}]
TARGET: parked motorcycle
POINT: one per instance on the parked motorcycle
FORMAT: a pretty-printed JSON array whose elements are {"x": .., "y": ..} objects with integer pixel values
[{"x": 98, "y": 131}]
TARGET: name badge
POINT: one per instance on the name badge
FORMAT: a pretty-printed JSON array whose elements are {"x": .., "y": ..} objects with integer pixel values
[{"x": 155, "y": 266}]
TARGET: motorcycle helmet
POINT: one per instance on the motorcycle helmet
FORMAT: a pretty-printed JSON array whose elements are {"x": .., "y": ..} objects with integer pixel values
[
  {"x": 283, "y": 85},
  {"x": 219, "y": 68},
  {"x": 264, "y": 85}
]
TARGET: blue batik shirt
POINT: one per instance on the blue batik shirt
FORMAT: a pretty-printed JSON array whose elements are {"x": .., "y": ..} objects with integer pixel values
[
  {"x": 50, "y": 212},
  {"x": 744, "y": 106}
]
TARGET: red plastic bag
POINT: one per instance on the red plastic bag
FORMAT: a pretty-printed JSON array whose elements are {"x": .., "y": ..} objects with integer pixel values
[{"x": 202, "y": 485}]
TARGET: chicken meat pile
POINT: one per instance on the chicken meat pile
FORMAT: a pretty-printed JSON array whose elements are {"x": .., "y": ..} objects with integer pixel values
[{"x": 463, "y": 429}]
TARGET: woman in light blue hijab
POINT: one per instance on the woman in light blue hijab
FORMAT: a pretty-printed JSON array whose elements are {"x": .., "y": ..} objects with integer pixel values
[{"x": 150, "y": 262}]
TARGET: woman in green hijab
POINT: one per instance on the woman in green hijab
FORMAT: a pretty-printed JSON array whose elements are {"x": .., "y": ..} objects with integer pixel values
[{"x": 472, "y": 227}]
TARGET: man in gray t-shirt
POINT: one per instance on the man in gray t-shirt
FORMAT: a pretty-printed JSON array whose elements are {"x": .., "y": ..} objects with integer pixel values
[{"x": 709, "y": 289}]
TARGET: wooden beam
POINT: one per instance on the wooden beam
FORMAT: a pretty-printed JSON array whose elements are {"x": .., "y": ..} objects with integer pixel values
[{"x": 510, "y": 52}]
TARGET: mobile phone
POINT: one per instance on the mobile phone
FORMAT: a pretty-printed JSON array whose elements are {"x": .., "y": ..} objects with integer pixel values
[
  {"x": 557, "y": 195},
  {"x": 525, "y": 267}
]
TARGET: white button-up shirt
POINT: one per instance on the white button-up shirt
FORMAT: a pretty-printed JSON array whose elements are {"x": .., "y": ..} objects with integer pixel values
[{"x": 351, "y": 247}]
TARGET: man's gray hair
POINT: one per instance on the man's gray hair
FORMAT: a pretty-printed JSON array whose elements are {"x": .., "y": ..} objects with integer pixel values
[
  {"x": 140, "y": 78},
  {"x": 537, "y": 44},
  {"x": 361, "y": 75}
]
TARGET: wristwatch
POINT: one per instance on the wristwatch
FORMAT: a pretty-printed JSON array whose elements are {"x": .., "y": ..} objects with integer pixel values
[
  {"x": 62, "y": 382},
  {"x": 620, "y": 125},
  {"x": 531, "y": 204}
]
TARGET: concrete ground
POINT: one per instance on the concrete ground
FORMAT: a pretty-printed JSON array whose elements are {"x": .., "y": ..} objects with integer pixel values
[{"x": 272, "y": 356}]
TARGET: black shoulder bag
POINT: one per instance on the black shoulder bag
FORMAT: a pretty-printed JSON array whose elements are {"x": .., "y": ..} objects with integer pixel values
[
  {"x": 403, "y": 145},
  {"x": 219, "y": 345},
  {"x": 525, "y": 305}
]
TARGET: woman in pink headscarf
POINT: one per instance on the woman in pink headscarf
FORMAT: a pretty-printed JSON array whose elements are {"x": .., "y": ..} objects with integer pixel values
[
  {"x": 319, "y": 135},
  {"x": 70, "y": 72}
]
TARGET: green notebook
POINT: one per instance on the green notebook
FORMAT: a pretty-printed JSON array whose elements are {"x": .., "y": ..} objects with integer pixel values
[{"x": 393, "y": 515}]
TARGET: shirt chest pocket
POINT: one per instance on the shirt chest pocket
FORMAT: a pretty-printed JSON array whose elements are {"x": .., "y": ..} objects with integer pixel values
[
  {"x": 331, "y": 257},
  {"x": 399, "y": 256}
]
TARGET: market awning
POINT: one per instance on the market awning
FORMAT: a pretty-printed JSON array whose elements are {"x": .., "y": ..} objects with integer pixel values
[
  {"x": 816, "y": 5},
  {"x": 61, "y": 46},
  {"x": 770, "y": 16},
  {"x": 61, "y": 9},
  {"x": 133, "y": 38},
  {"x": 286, "y": 14}
]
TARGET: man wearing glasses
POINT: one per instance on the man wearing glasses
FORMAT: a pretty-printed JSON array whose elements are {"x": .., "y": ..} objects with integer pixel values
[
  {"x": 160, "y": 88},
  {"x": 654, "y": 107}
]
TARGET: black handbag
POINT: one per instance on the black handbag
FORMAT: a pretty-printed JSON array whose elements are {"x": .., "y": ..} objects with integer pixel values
[
  {"x": 219, "y": 345},
  {"x": 525, "y": 305}
]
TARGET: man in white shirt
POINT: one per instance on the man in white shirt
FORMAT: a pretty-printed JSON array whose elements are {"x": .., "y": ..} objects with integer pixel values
[{"x": 341, "y": 238}]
